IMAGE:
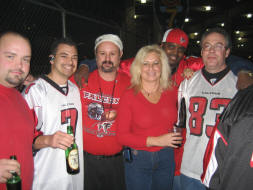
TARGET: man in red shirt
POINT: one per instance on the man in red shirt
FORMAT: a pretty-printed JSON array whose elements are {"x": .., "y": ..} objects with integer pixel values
[
  {"x": 17, "y": 125},
  {"x": 103, "y": 161}
]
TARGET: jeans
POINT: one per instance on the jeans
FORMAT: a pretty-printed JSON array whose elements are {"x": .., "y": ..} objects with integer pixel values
[
  {"x": 150, "y": 170},
  {"x": 188, "y": 183},
  {"x": 176, "y": 183}
]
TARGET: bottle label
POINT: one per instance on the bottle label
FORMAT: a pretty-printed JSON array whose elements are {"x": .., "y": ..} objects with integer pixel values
[{"x": 73, "y": 159}]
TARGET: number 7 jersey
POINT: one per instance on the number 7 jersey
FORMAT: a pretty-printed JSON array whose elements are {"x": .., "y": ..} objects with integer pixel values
[
  {"x": 54, "y": 110},
  {"x": 204, "y": 104}
]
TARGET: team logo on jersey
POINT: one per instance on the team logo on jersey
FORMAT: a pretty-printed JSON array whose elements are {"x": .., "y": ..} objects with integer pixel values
[
  {"x": 213, "y": 80},
  {"x": 182, "y": 40},
  {"x": 103, "y": 129},
  {"x": 95, "y": 111}
]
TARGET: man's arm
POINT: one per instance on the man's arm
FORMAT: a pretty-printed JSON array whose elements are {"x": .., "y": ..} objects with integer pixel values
[
  {"x": 57, "y": 140},
  {"x": 82, "y": 73},
  {"x": 245, "y": 79},
  {"x": 243, "y": 69}
]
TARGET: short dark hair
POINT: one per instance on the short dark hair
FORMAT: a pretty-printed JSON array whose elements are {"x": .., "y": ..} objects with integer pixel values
[
  {"x": 10, "y": 32},
  {"x": 56, "y": 43},
  {"x": 218, "y": 30}
]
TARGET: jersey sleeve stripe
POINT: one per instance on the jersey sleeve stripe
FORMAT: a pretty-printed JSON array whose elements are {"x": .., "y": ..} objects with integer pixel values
[{"x": 210, "y": 161}]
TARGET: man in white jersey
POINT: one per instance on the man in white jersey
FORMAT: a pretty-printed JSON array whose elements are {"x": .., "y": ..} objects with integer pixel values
[
  {"x": 206, "y": 95},
  {"x": 56, "y": 104}
]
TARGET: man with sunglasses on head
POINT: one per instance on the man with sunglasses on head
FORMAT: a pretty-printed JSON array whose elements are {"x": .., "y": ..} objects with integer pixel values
[{"x": 206, "y": 95}]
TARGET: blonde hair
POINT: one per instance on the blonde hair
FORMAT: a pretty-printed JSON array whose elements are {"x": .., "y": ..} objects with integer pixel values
[{"x": 135, "y": 69}]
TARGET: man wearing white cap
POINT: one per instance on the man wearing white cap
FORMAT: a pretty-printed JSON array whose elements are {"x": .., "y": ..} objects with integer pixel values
[{"x": 103, "y": 162}]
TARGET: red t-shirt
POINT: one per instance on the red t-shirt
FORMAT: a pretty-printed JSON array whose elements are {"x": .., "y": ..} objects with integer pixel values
[
  {"x": 17, "y": 134},
  {"x": 138, "y": 118},
  {"x": 99, "y": 136}
]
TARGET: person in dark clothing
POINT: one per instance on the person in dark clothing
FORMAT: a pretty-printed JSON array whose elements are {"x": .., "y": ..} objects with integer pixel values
[{"x": 228, "y": 162}]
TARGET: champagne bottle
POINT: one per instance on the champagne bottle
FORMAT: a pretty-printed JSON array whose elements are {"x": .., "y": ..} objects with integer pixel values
[
  {"x": 72, "y": 158},
  {"x": 14, "y": 183}
]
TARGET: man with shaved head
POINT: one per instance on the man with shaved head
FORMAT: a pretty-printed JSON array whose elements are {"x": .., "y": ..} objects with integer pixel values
[{"x": 17, "y": 125}]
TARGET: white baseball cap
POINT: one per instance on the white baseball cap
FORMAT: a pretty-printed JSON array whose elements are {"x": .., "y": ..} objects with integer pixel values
[{"x": 109, "y": 38}]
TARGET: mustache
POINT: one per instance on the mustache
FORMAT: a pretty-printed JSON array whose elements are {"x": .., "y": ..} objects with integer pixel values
[
  {"x": 17, "y": 70},
  {"x": 107, "y": 62}
]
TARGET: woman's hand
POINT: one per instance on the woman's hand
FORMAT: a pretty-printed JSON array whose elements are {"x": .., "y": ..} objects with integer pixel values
[{"x": 165, "y": 140}]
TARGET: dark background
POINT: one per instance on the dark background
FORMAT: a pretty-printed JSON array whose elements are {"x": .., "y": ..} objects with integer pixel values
[{"x": 85, "y": 20}]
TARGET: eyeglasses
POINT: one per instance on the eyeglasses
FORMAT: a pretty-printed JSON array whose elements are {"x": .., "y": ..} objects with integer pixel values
[{"x": 216, "y": 47}]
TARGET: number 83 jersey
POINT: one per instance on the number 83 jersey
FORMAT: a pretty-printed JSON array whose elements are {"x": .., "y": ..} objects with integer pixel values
[{"x": 205, "y": 101}]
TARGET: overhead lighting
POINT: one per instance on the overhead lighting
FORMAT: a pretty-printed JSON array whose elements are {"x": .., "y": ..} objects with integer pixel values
[
  {"x": 186, "y": 20},
  {"x": 239, "y": 38},
  {"x": 135, "y": 16},
  {"x": 208, "y": 8},
  {"x": 198, "y": 42},
  {"x": 222, "y": 24},
  {"x": 242, "y": 45},
  {"x": 237, "y": 32},
  {"x": 143, "y": 1},
  {"x": 249, "y": 15},
  {"x": 196, "y": 33}
]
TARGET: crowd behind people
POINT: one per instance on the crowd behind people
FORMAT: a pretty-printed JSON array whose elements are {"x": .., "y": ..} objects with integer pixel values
[{"x": 124, "y": 115}]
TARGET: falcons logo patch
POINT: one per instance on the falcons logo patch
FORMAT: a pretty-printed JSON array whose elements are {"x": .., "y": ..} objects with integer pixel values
[{"x": 182, "y": 40}]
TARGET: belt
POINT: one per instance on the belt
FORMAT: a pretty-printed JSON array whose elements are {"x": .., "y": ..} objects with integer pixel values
[{"x": 101, "y": 157}]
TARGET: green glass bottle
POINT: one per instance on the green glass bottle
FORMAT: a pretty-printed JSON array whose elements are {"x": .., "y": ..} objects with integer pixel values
[
  {"x": 71, "y": 153},
  {"x": 14, "y": 183}
]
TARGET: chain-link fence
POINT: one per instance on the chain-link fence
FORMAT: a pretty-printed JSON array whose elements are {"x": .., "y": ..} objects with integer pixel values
[{"x": 43, "y": 23}]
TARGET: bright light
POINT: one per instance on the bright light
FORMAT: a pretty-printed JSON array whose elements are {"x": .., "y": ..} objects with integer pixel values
[
  {"x": 237, "y": 32},
  {"x": 242, "y": 45},
  {"x": 198, "y": 42},
  {"x": 196, "y": 33},
  {"x": 249, "y": 15},
  {"x": 186, "y": 20},
  {"x": 135, "y": 16},
  {"x": 208, "y": 8},
  {"x": 143, "y": 1},
  {"x": 222, "y": 24},
  {"x": 239, "y": 38}
]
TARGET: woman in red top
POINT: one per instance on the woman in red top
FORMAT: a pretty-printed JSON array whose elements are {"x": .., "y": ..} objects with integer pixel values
[{"x": 146, "y": 114}]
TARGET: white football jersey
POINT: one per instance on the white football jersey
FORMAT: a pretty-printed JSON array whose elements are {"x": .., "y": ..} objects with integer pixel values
[
  {"x": 54, "y": 110},
  {"x": 204, "y": 104}
]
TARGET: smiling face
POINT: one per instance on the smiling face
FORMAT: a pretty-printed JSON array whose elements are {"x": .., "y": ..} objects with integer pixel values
[
  {"x": 174, "y": 52},
  {"x": 108, "y": 57},
  {"x": 64, "y": 62},
  {"x": 214, "y": 52},
  {"x": 151, "y": 68},
  {"x": 15, "y": 56}
]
